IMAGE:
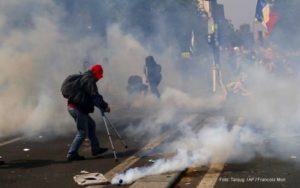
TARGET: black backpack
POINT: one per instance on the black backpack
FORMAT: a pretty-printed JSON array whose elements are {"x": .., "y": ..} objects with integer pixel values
[{"x": 71, "y": 86}]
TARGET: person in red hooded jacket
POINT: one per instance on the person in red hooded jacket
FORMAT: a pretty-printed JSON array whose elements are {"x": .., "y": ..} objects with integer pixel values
[{"x": 79, "y": 107}]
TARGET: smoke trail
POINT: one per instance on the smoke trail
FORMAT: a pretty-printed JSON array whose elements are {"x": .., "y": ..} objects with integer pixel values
[
  {"x": 266, "y": 124},
  {"x": 213, "y": 144},
  {"x": 179, "y": 162}
]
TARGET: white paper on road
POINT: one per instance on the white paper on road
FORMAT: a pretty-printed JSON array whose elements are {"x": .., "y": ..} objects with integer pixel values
[{"x": 90, "y": 179}]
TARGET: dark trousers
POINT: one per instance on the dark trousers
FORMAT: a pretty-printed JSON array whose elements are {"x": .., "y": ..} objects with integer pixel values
[
  {"x": 85, "y": 126},
  {"x": 153, "y": 88}
]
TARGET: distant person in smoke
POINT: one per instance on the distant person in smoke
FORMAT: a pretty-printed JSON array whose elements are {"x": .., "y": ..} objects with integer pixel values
[
  {"x": 238, "y": 87},
  {"x": 152, "y": 71},
  {"x": 82, "y": 94},
  {"x": 269, "y": 60},
  {"x": 136, "y": 86},
  {"x": 237, "y": 94}
]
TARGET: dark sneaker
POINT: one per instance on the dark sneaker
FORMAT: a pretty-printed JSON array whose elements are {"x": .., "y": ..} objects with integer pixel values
[
  {"x": 99, "y": 151},
  {"x": 75, "y": 157}
]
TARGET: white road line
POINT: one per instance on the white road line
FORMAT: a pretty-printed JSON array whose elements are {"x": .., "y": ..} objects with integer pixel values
[
  {"x": 11, "y": 141},
  {"x": 211, "y": 177}
]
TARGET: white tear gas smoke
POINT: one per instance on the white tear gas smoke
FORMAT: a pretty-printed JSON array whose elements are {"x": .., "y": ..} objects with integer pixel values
[
  {"x": 28, "y": 56},
  {"x": 265, "y": 123},
  {"x": 214, "y": 143},
  {"x": 39, "y": 49},
  {"x": 36, "y": 54},
  {"x": 179, "y": 162}
]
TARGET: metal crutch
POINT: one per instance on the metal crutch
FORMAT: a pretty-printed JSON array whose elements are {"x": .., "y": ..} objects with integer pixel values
[
  {"x": 109, "y": 136},
  {"x": 118, "y": 135}
]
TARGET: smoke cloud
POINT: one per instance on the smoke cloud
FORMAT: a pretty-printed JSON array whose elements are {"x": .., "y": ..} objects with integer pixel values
[
  {"x": 41, "y": 45},
  {"x": 37, "y": 52},
  {"x": 264, "y": 124}
]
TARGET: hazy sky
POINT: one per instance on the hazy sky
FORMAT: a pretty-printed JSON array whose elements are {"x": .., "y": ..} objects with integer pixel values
[{"x": 239, "y": 11}]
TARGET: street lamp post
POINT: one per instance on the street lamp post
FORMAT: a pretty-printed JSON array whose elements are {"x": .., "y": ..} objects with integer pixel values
[{"x": 210, "y": 7}]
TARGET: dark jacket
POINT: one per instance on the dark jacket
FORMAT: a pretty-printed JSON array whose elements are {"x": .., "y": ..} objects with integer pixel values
[
  {"x": 88, "y": 95},
  {"x": 153, "y": 72}
]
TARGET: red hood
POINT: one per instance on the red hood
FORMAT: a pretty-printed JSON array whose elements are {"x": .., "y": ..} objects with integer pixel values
[{"x": 97, "y": 71}]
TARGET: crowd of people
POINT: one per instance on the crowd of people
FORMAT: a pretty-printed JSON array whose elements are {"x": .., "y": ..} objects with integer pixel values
[
  {"x": 239, "y": 66},
  {"x": 272, "y": 59}
]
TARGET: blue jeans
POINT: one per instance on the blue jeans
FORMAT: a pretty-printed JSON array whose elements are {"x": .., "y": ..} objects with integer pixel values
[{"x": 85, "y": 126}]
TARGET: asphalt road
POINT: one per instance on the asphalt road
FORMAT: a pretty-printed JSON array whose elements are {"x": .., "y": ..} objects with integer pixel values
[
  {"x": 45, "y": 164},
  {"x": 261, "y": 173}
]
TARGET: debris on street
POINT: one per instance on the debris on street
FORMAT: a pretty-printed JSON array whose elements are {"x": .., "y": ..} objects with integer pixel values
[
  {"x": 86, "y": 179},
  {"x": 26, "y": 149}
]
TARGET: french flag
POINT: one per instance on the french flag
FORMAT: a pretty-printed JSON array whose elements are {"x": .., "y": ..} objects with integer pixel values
[{"x": 265, "y": 16}]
